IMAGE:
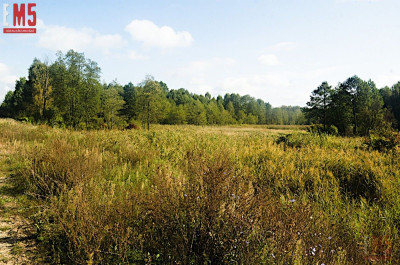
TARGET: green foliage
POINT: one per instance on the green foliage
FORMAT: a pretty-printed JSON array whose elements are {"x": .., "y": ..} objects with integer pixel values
[
  {"x": 76, "y": 89},
  {"x": 151, "y": 103},
  {"x": 319, "y": 129},
  {"x": 39, "y": 77},
  {"x": 197, "y": 113},
  {"x": 318, "y": 105},
  {"x": 286, "y": 115},
  {"x": 391, "y": 98},
  {"x": 18, "y": 103},
  {"x": 354, "y": 107},
  {"x": 133, "y": 124},
  {"x": 297, "y": 140},
  {"x": 383, "y": 141},
  {"x": 68, "y": 93},
  {"x": 111, "y": 105}
]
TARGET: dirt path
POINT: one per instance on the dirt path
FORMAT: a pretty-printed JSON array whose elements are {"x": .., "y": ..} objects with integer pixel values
[{"x": 15, "y": 242}]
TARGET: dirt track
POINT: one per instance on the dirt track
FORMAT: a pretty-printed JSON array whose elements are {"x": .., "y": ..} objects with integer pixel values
[{"x": 15, "y": 244}]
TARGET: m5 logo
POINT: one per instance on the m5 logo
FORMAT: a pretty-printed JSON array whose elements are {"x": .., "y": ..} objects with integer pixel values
[{"x": 24, "y": 18}]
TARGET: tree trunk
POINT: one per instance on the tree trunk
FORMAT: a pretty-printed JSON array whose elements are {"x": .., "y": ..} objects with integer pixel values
[
  {"x": 148, "y": 115},
  {"x": 45, "y": 95},
  {"x": 355, "y": 121},
  {"x": 324, "y": 111}
]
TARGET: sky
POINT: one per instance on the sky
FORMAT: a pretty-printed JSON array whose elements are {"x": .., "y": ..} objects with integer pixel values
[{"x": 278, "y": 51}]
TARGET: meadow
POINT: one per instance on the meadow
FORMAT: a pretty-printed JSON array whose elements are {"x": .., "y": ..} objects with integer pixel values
[{"x": 204, "y": 195}]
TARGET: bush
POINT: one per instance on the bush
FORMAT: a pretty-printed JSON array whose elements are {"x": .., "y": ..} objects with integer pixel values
[
  {"x": 60, "y": 166},
  {"x": 319, "y": 129},
  {"x": 383, "y": 142},
  {"x": 333, "y": 130},
  {"x": 133, "y": 125},
  {"x": 296, "y": 140}
]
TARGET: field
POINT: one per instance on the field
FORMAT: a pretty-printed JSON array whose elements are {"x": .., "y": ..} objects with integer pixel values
[{"x": 203, "y": 195}]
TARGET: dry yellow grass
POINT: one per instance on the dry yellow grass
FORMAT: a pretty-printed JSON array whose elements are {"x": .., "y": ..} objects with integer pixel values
[{"x": 195, "y": 195}]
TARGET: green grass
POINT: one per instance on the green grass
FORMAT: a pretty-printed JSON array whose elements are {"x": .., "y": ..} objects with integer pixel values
[
  {"x": 17, "y": 249},
  {"x": 3, "y": 259},
  {"x": 204, "y": 195},
  {"x": 4, "y": 228}
]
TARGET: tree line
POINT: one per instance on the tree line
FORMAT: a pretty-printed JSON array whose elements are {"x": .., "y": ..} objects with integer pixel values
[
  {"x": 354, "y": 107},
  {"x": 69, "y": 93}
]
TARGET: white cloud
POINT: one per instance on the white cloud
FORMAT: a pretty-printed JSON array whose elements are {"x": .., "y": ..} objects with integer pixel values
[
  {"x": 389, "y": 80},
  {"x": 283, "y": 46},
  {"x": 269, "y": 59},
  {"x": 137, "y": 56},
  {"x": 5, "y": 76},
  {"x": 275, "y": 87},
  {"x": 204, "y": 65},
  {"x": 7, "y": 80},
  {"x": 202, "y": 68},
  {"x": 362, "y": 1},
  {"x": 254, "y": 82},
  {"x": 63, "y": 38},
  {"x": 107, "y": 42},
  {"x": 150, "y": 34},
  {"x": 199, "y": 76},
  {"x": 278, "y": 87},
  {"x": 223, "y": 75}
]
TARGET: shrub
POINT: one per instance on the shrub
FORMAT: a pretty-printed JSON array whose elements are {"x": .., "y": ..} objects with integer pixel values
[
  {"x": 60, "y": 165},
  {"x": 383, "y": 142},
  {"x": 133, "y": 124},
  {"x": 356, "y": 182},
  {"x": 296, "y": 140},
  {"x": 319, "y": 129},
  {"x": 333, "y": 130}
]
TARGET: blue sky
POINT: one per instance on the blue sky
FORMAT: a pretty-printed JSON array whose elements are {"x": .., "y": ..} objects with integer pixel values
[{"x": 278, "y": 51}]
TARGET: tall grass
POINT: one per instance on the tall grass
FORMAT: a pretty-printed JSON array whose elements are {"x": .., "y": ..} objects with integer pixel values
[{"x": 200, "y": 195}]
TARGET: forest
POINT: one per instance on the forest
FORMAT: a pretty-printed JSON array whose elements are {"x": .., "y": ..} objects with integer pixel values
[
  {"x": 68, "y": 93},
  {"x": 354, "y": 107}
]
